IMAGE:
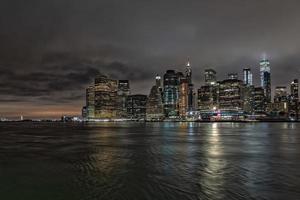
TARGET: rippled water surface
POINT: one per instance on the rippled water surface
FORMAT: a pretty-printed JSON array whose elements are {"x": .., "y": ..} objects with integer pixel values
[{"x": 40, "y": 161}]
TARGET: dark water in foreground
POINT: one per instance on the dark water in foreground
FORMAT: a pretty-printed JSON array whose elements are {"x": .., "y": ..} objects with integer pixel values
[{"x": 40, "y": 161}]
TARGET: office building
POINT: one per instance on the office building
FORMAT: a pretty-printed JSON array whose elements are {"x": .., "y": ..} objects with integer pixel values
[
  {"x": 247, "y": 77},
  {"x": 106, "y": 104},
  {"x": 136, "y": 106},
  {"x": 265, "y": 78},
  {"x": 210, "y": 76}
]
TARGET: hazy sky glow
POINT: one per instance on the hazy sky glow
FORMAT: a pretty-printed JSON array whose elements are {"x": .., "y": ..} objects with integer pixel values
[{"x": 50, "y": 50}]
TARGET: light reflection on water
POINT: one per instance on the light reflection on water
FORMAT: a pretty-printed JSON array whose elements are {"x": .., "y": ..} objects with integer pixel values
[{"x": 150, "y": 161}]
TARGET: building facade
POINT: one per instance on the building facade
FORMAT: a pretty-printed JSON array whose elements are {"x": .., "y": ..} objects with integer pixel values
[
  {"x": 106, "y": 105},
  {"x": 136, "y": 106},
  {"x": 247, "y": 77},
  {"x": 123, "y": 92},
  {"x": 171, "y": 93},
  {"x": 265, "y": 78}
]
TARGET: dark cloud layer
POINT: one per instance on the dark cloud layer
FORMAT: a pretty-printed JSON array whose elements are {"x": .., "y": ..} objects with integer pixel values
[{"x": 51, "y": 50}]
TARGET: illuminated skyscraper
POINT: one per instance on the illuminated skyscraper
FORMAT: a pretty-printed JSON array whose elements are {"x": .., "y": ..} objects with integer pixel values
[
  {"x": 295, "y": 90},
  {"x": 183, "y": 97},
  {"x": 123, "y": 92},
  {"x": 154, "y": 106},
  {"x": 171, "y": 92},
  {"x": 90, "y": 102},
  {"x": 259, "y": 105},
  {"x": 188, "y": 76},
  {"x": 210, "y": 76},
  {"x": 248, "y": 79},
  {"x": 231, "y": 94},
  {"x": 136, "y": 106},
  {"x": 294, "y": 100},
  {"x": 265, "y": 78},
  {"x": 106, "y": 105}
]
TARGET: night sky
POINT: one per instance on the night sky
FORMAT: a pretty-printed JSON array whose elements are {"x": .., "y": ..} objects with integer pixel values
[{"x": 50, "y": 50}]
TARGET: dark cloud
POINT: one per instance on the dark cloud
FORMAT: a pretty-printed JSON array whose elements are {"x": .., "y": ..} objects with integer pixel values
[{"x": 51, "y": 50}]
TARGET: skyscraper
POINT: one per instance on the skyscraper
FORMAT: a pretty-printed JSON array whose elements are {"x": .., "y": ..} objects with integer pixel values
[
  {"x": 259, "y": 105},
  {"x": 188, "y": 76},
  {"x": 248, "y": 79},
  {"x": 154, "y": 105},
  {"x": 171, "y": 92},
  {"x": 231, "y": 94},
  {"x": 183, "y": 97},
  {"x": 123, "y": 92},
  {"x": 210, "y": 76},
  {"x": 265, "y": 78},
  {"x": 294, "y": 99},
  {"x": 188, "y": 72},
  {"x": 136, "y": 106},
  {"x": 106, "y": 104},
  {"x": 295, "y": 90},
  {"x": 90, "y": 102}
]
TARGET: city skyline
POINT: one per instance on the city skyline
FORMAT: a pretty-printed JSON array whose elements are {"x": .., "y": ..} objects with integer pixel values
[{"x": 51, "y": 50}]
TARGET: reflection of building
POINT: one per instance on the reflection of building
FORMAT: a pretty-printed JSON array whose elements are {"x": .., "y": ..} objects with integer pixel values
[
  {"x": 265, "y": 78},
  {"x": 171, "y": 92},
  {"x": 248, "y": 80},
  {"x": 123, "y": 92},
  {"x": 210, "y": 76},
  {"x": 154, "y": 106},
  {"x": 280, "y": 94},
  {"x": 136, "y": 106},
  {"x": 231, "y": 94},
  {"x": 90, "y": 102},
  {"x": 105, "y": 97}
]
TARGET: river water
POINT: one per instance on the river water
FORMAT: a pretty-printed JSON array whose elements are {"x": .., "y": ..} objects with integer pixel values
[{"x": 41, "y": 161}]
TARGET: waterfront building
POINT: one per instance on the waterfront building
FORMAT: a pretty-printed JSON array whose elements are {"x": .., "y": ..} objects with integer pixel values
[
  {"x": 90, "y": 102},
  {"x": 123, "y": 92},
  {"x": 248, "y": 105},
  {"x": 188, "y": 76},
  {"x": 259, "y": 100},
  {"x": 231, "y": 94},
  {"x": 106, "y": 104},
  {"x": 294, "y": 99},
  {"x": 248, "y": 77},
  {"x": 171, "y": 92},
  {"x": 84, "y": 112},
  {"x": 210, "y": 76},
  {"x": 277, "y": 109},
  {"x": 154, "y": 105},
  {"x": 184, "y": 95},
  {"x": 206, "y": 98},
  {"x": 265, "y": 78},
  {"x": 136, "y": 106}
]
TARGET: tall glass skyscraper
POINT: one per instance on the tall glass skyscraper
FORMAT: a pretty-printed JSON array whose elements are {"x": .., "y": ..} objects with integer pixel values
[
  {"x": 188, "y": 75},
  {"x": 248, "y": 80},
  {"x": 171, "y": 92},
  {"x": 265, "y": 78}
]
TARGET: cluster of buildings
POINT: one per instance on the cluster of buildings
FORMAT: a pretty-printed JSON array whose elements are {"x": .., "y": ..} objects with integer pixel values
[{"x": 174, "y": 97}]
